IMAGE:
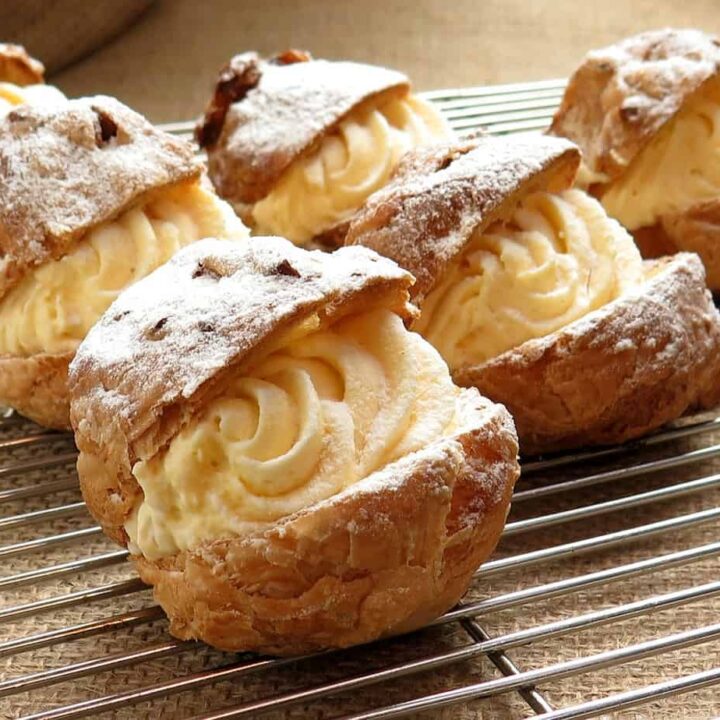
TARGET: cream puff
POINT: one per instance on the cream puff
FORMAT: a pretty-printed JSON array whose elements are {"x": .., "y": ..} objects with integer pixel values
[
  {"x": 297, "y": 144},
  {"x": 92, "y": 198},
  {"x": 290, "y": 467},
  {"x": 22, "y": 80},
  {"x": 646, "y": 115},
  {"x": 534, "y": 295}
]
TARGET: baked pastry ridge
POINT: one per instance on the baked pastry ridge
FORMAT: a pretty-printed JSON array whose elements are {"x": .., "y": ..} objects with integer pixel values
[
  {"x": 113, "y": 199},
  {"x": 22, "y": 80},
  {"x": 512, "y": 263},
  {"x": 646, "y": 114},
  {"x": 296, "y": 469},
  {"x": 297, "y": 144}
]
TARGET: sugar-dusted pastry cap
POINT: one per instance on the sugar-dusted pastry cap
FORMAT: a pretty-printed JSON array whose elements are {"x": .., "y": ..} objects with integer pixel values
[
  {"x": 266, "y": 113},
  {"x": 66, "y": 168},
  {"x": 621, "y": 95},
  {"x": 166, "y": 345},
  {"x": 441, "y": 194},
  {"x": 17, "y": 67}
]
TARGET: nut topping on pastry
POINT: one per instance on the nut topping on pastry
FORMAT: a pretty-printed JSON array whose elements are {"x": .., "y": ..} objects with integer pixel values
[
  {"x": 297, "y": 144},
  {"x": 112, "y": 199},
  {"x": 524, "y": 284},
  {"x": 646, "y": 114},
  {"x": 18, "y": 68},
  {"x": 21, "y": 80},
  {"x": 291, "y": 468}
]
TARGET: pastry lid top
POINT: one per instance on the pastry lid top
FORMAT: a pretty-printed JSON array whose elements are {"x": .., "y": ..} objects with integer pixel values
[
  {"x": 266, "y": 113},
  {"x": 67, "y": 167},
  {"x": 168, "y": 344},
  {"x": 441, "y": 194},
  {"x": 621, "y": 95}
]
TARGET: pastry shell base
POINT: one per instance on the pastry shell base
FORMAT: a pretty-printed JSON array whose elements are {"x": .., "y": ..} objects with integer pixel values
[
  {"x": 695, "y": 230},
  {"x": 36, "y": 387},
  {"x": 383, "y": 557},
  {"x": 619, "y": 372}
]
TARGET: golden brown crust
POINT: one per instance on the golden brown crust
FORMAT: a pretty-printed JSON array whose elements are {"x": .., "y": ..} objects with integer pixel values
[
  {"x": 265, "y": 114},
  {"x": 144, "y": 370},
  {"x": 441, "y": 194},
  {"x": 621, "y": 95},
  {"x": 619, "y": 372},
  {"x": 17, "y": 67},
  {"x": 695, "y": 230},
  {"x": 99, "y": 157},
  {"x": 384, "y": 557},
  {"x": 37, "y": 388}
]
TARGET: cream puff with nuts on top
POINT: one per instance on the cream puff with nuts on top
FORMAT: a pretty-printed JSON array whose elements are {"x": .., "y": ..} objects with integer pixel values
[
  {"x": 297, "y": 144},
  {"x": 646, "y": 115},
  {"x": 533, "y": 294},
  {"x": 112, "y": 199},
  {"x": 289, "y": 466}
]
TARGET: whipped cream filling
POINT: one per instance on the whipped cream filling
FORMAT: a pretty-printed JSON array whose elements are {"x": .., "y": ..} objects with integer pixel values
[
  {"x": 678, "y": 169},
  {"x": 326, "y": 187},
  {"x": 12, "y": 95},
  {"x": 557, "y": 258},
  {"x": 54, "y": 306},
  {"x": 323, "y": 410}
]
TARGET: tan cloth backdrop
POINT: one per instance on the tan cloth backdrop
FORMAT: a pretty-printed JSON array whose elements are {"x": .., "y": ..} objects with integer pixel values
[{"x": 165, "y": 64}]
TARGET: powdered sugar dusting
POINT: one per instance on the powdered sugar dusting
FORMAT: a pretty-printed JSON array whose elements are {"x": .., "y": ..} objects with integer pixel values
[
  {"x": 440, "y": 194},
  {"x": 206, "y": 309},
  {"x": 286, "y": 112},
  {"x": 621, "y": 95},
  {"x": 67, "y": 167}
]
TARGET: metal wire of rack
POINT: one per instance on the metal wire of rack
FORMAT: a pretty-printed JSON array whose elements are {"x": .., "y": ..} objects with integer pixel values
[{"x": 598, "y": 541}]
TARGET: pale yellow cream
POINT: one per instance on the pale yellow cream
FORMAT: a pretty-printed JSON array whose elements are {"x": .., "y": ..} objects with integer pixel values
[
  {"x": 12, "y": 95},
  {"x": 315, "y": 416},
  {"x": 52, "y": 309},
  {"x": 323, "y": 189},
  {"x": 557, "y": 258},
  {"x": 678, "y": 169}
]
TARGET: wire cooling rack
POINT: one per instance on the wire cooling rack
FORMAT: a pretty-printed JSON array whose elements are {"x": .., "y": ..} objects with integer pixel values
[{"x": 603, "y": 596}]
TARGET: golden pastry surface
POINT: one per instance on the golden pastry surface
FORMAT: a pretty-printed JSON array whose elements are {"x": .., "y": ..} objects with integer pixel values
[
  {"x": 12, "y": 95},
  {"x": 52, "y": 309},
  {"x": 557, "y": 258},
  {"x": 320, "y": 412},
  {"x": 323, "y": 189},
  {"x": 678, "y": 169}
]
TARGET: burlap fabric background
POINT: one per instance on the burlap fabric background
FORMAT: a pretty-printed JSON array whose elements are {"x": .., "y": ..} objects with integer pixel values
[
  {"x": 252, "y": 687},
  {"x": 165, "y": 64}
]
